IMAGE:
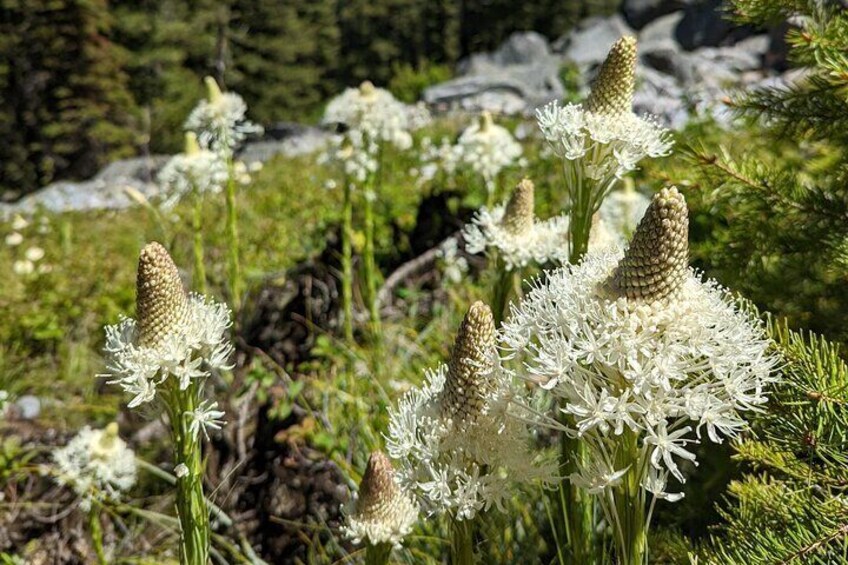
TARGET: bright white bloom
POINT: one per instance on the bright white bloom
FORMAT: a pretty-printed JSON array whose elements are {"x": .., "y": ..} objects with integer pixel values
[
  {"x": 19, "y": 223},
  {"x": 220, "y": 121},
  {"x": 638, "y": 347},
  {"x": 511, "y": 231},
  {"x": 370, "y": 118},
  {"x": 97, "y": 464},
  {"x": 181, "y": 471},
  {"x": 178, "y": 339},
  {"x": 23, "y": 267},
  {"x": 621, "y": 211},
  {"x": 487, "y": 149},
  {"x": 443, "y": 157},
  {"x": 454, "y": 265},
  {"x": 204, "y": 417},
  {"x": 14, "y": 239},
  {"x": 34, "y": 254},
  {"x": 195, "y": 171},
  {"x": 461, "y": 439},
  {"x": 382, "y": 512}
]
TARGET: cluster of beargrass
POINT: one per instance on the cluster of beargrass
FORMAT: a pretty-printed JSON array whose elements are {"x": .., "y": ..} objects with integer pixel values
[{"x": 556, "y": 407}]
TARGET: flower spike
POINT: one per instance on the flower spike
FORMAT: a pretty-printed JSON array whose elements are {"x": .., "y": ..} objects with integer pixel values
[
  {"x": 657, "y": 261},
  {"x": 518, "y": 218},
  {"x": 612, "y": 90},
  {"x": 383, "y": 512},
  {"x": 213, "y": 91},
  {"x": 470, "y": 365},
  {"x": 161, "y": 301}
]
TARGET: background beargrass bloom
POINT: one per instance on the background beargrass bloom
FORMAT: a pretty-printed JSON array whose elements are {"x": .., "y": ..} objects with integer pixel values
[
  {"x": 163, "y": 360},
  {"x": 644, "y": 359}
]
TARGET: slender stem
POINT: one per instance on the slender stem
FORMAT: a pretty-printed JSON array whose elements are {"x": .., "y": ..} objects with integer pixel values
[
  {"x": 199, "y": 278},
  {"x": 503, "y": 289},
  {"x": 192, "y": 509},
  {"x": 371, "y": 269},
  {"x": 347, "y": 262},
  {"x": 96, "y": 534},
  {"x": 575, "y": 504},
  {"x": 462, "y": 542},
  {"x": 629, "y": 503},
  {"x": 234, "y": 269},
  {"x": 378, "y": 554}
]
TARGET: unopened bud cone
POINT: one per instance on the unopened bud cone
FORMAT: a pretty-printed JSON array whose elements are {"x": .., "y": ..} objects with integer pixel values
[
  {"x": 213, "y": 91},
  {"x": 161, "y": 301},
  {"x": 657, "y": 262},
  {"x": 612, "y": 90},
  {"x": 470, "y": 364},
  {"x": 518, "y": 217}
]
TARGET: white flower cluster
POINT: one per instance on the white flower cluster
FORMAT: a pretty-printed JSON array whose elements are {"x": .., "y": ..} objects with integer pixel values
[
  {"x": 483, "y": 147},
  {"x": 653, "y": 369},
  {"x": 195, "y": 348},
  {"x": 607, "y": 146},
  {"x": 371, "y": 118},
  {"x": 460, "y": 446},
  {"x": 220, "y": 121},
  {"x": 196, "y": 170},
  {"x": 545, "y": 242},
  {"x": 621, "y": 211},
  {"x": 382, "y": 512},
  {"x": 454, "y": 265},
  {"x": 29, "y": 264},
  {"x": 97, "y": 464}
]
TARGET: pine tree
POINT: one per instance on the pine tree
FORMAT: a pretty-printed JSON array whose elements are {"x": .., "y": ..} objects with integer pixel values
[
  {"x": 67, "y": 107},
  {"x": 284, "y": 56},
  {"x": 784, "y": 243}
]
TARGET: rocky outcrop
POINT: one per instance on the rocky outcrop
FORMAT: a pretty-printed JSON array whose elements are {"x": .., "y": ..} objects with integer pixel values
[{"x": 516, "y": 78}]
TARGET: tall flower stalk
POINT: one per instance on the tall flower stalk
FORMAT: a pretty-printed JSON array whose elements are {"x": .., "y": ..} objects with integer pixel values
[
  {"x": 643, "y": 359},
  {"x": 164, "y": 359},
  {"x": 461, "y": 440},
  {"x": 221, "y": 126},
  {"x": 371, "y": 118},
  {"x": 598, "y": 142}
]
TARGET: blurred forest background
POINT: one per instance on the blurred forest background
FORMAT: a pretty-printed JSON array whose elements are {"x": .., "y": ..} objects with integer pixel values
[{"x": 83, "y": 82}]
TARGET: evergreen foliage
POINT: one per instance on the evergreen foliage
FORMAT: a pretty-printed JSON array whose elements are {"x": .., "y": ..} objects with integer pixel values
[
  {"x": 67, "y": 108},
  {"x": 785, "y": 199}
]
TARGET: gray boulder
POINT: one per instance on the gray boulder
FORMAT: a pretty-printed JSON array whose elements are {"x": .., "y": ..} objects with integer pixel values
[
  {"x": 660, "y": 33},
  {"x": 705, "y": 24},
  {"x": 588, "y": 43},
  {"x": 521, "y": 75},
  {"x": 661, "y": 96},
  {"x": 287, "y": 139}
]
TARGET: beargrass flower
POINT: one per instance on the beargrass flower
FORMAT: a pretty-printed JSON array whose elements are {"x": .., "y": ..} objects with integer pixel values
[
  {"x": 461, "y": 439},
  {"x": 645, "y": 357},
  {"x": 178, "y": 338},
  {"x": 220, "y": 120},
  {"x": 97, "y": 465},
  {"x": 513, "y": 233},
  {"x": 487, "y": 149},
  {"x": 194, "y": 171},
  {"x": 601, "y": 140},
  {"x": 369, "y": 118},
  {"x": 382, "y": 512}
]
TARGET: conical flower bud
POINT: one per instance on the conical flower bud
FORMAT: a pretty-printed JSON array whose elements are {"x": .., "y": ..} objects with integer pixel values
[
  {"x": 213, "y": 91},
  {"x": 657, "y": 261},
  {"x": 192, "y": 146},
  {"x": 161, "y": 301},
  {"x": 612, "y": 90},
  {"x": 486, "y": 122},
  {"x": 383, "y": 512},
  {"x": 367, "y": 89},
  {"x": 470, "y": 364},
  {"x": 518, "y": 217}
]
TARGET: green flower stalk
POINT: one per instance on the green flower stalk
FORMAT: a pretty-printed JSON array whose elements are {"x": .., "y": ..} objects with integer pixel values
[
  {"x": 382, "y": 514},
  {"x": 164, "y": 359}
]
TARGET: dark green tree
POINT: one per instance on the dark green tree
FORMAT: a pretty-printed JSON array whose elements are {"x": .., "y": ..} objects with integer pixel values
[{"x": 67, "y": 108}]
